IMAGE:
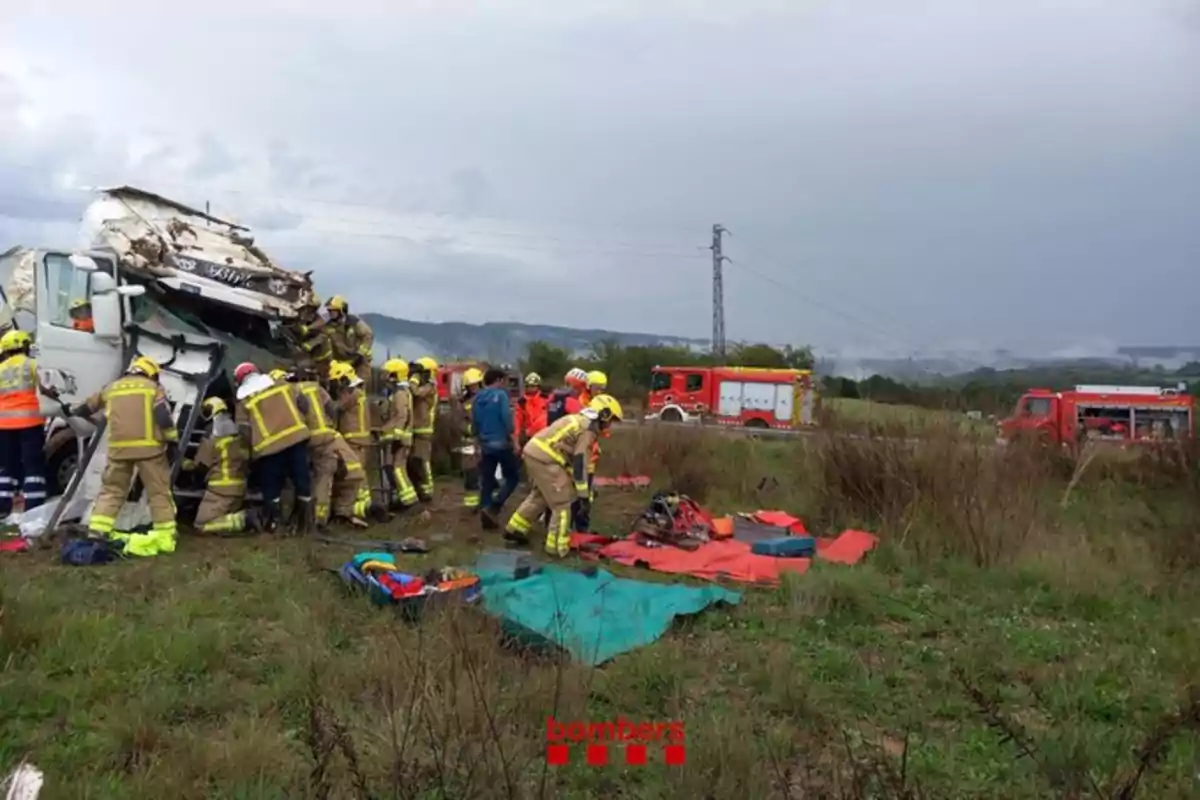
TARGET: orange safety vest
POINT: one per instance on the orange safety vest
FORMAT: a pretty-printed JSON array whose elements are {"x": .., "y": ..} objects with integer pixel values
[{"x": 19, "y": 406}]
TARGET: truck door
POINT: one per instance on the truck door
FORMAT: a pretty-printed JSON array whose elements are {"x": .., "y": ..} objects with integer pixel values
[
  {"x": 729, "y": 399},
  {"x": 758, "y": 397},
  {"x": 73, "y": 361},
  {"x": 784, "y": 402}
]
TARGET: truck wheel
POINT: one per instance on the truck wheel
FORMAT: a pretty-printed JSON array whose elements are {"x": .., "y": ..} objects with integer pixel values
[
  {"x": 671, "y": 415},
  {"x": 60, "y": 468},
  {"x": 756, "y": 423}
]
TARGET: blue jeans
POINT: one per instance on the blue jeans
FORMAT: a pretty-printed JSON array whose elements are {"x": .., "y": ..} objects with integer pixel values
[
  {"x": 504, "y": 457},
  {"x": 22, "y": 467}
]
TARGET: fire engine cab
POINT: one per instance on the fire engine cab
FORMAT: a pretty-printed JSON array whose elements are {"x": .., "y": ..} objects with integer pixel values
[
  {"x": 1107, "y": 413},
  {"x": 743, "y": 396}
]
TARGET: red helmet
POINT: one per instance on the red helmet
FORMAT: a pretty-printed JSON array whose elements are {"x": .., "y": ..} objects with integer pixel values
[{"x": 243, "y": 371}]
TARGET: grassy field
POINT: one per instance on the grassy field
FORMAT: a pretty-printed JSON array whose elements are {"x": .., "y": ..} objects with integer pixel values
[
  {"x": 1025, "y": 630},
  {"x": 858, "y": 413}
]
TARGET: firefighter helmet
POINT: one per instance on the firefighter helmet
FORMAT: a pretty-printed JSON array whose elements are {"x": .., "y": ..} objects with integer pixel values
[
  {"x": 213, "y": 406},
  {"x": 597, "y": 379},
  {"x": 397, "y": 368},
  {"x": 428, "y": 363},
  {"x": 14, "y": 340},
  {"x": 337, "y": 303},
  {"x": 145, "y": 365},
  {"x": 243, "y": 370},
  {"x": 533, "y": 379},
  {"x": 472, "y": 377},
  {"x": 607, "y": 407}
]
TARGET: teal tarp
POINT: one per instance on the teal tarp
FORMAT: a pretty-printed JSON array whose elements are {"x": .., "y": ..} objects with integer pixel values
[{"x": 593, "y": 617}]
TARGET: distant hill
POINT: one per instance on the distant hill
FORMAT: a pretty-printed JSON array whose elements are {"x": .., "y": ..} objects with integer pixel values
[{"x": 498, "y": 342}]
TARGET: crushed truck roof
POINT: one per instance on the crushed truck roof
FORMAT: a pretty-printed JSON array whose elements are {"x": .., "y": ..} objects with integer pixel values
[{"x": 185, "y": 251}]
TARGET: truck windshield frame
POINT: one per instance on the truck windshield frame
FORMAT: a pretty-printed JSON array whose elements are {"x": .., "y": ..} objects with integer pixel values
[
  {"x": 660, "y": 381},
  {"x": 1034, "y": 407}
]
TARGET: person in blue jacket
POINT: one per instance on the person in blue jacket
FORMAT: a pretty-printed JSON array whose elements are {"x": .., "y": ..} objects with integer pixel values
[{"x": 492, "y": 419}]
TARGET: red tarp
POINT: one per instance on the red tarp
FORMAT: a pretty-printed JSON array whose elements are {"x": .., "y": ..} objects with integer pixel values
[
  {"x": 781, "y": 519},
  {"x": 732, "y": 560}
]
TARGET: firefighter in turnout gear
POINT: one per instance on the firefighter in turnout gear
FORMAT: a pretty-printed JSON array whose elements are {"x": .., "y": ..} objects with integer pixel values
[
  {"x": 423, "y": 382},
  {"x": 396, "y": 435},
  {"x": 581, "y": 513},
  {"x": 223, "y": 453},
  {"x": 350, "y": 336},
  {"x": 271, "y": 420},
  {"x": 314, "y": 340},
  {"x": 22, "y": 462},
  {"x": 324, "y": 453},
  {"x": 354, "y": 430},
  {"x": 468, "y": 448},
  {"x": 140, "y": 433},
  {"x": 556, "y": 460}
]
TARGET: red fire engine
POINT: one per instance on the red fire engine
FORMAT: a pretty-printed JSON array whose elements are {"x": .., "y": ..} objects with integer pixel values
[
  {"x": 745, "y": 396},
  {"x": 1108, "y": 413},
  {"x": 449, "y": 379}
]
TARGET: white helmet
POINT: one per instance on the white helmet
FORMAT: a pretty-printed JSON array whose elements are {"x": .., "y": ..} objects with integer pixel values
[{"x": 575, "y": 374}]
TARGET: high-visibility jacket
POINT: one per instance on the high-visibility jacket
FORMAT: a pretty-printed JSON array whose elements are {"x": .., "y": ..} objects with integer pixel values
[
  {"x": 351, "y": 338},
  {"x": 425, "y": 400},
  {"x": 273, "y": 419},
  {"x": 397, "y": 422},
  {"x": 532, "y": 413},
  {"x": 561, "y": 403},
  {"x": 86, "y": 325},
  {"x": 19, "y": 407},
  {"x": 139, "y": 418},
  {"x": 224, "y": 453},
  {"x": 468, "y": 428},
  {"x": 320, "y": 414},
  {"x": 353, "y": 422},
  {"x": 566, "y": 443}
]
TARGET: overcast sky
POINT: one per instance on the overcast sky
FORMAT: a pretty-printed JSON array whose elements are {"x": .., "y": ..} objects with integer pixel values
[{"x": 898, "y": 174}]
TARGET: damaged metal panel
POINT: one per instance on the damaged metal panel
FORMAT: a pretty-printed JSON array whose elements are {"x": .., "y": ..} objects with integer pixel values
[{"x": 186, "y": 250}]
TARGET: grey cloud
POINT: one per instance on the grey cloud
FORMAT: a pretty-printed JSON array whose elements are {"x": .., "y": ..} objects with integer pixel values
[{"x": 213, "y": 159}]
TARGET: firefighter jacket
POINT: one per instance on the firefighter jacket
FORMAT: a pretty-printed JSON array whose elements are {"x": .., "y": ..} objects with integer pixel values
[
  {"x": 353, "y": 421},
  {"x": 566, "y": 443},
  {"x": 271, "y": 416},
  {"x": 320, "y": 415},
  {"x": 562, "y": 402},
  {"x": 425, "y": 401},
  {"x": 464, "y": 413},
  {"x": 19, "y": 406},
  {"x": 223, "y": 453},
  {"x": 397, "y": 422},
  {"x": 351, "y": 339},
  {"x": 139, "y": 418}
]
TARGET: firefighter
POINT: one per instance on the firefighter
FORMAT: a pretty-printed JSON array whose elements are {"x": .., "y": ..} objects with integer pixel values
[
  {"x": 423, "y": 381},
  {"x": 140, "y": 434},
  {"x": 22, "y": 461},
  {"x": 396, "y": 436},
  {"x": 581, "y": 516},
  {"x": 314, "y": 339},
  {"x": 531, "y": 408},
  {"x": 468, "y": 449},
  {"x": 81, "y": 316},
  {"x": 350, "y": 336},
  {"x": 353, "y": 426},
  {"x": 323, "y": 453},
  {"x": 271, "y": 419},
  {"x": 565, "y": 400},
  {"x": 223, "y": 453},
  {"x": 557, "y": 463}
]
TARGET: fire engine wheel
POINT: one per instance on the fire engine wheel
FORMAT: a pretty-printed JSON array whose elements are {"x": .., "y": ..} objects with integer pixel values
[
  {"x": 671, "y": 415},
  {"x": 756, "y": 423}
]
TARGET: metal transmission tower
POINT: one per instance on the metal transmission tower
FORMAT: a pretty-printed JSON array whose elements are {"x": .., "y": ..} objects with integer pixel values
[{"x": 718, "y": 295}]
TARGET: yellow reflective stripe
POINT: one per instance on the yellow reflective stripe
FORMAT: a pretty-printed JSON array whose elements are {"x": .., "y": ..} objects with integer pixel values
[
  {"x": 547, "y": 445},
  {"x": 315, "y": 401},
  {"x": 268, "y": 439},
  {"x": 148, "y": 395},
  {"x": 226, "y": 476},
  {"x": 550, "y": 451}
]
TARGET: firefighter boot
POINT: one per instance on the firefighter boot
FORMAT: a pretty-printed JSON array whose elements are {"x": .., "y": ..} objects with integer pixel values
[
  {"x": 305, "y": 518},
  {"x": 272, "y": 511}
]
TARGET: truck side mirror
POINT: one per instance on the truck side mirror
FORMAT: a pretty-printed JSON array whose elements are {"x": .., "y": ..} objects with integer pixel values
[{"x": 106, "y": 304}]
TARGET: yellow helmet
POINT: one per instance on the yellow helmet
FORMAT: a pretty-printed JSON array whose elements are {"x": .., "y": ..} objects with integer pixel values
[
  {"x": 397, "y": 368},
  {"x": 337, "y": 303},
  {"x": 598, "y": 379},
  {"x": 145, "y": 365},
  {"x": 607, "y": 407},
  {"x": 533, "y": 379},
  {"x": 80, "y": 303},
  {"x": 339, "y": 370},
  {"x": 472, "y": 376},
  {"x": 213, "y": 406},
  {"x": 428, "y": 363},
  {"x": 278, "y": 374},
  {"x": 14, "y": 340}
]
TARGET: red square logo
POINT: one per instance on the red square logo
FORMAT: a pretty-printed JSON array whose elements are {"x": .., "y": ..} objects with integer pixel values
[
  {"x": 557, "y": 755},
  {"x": 635, "y": 755},
  {"x": 675, "y": 755},
  {"x": 597, "y": 755}
]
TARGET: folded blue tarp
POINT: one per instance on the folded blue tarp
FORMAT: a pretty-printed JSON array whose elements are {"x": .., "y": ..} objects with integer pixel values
[{"x": 593, "y": 617}]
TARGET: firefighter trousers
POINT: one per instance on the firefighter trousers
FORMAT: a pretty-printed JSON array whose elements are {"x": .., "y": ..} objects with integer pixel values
[
  {"x": 405, "y": 492},
  {"x": 470, "y": 469},
  {"x": 351, "y": 497},
  {"x": 22, "y": 467},
  {"x": 220, "y": 513},
  {"x": 324, "y": 460},
  {"x": 553, "y": 490},
  {"x": 581, "y": 515},
  {"x": 155, "y": 474},
  {"x": 274, "y": 471},
  {"x": 420, "y": 466}
]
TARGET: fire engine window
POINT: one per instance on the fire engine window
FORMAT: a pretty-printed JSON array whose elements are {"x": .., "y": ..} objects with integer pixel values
[
  {"x": 67, "y": 294},
  {"x": 695, "y": 382},
  {"x": 1037, "y": 407},
  {"x": 660, "y": 381}
]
